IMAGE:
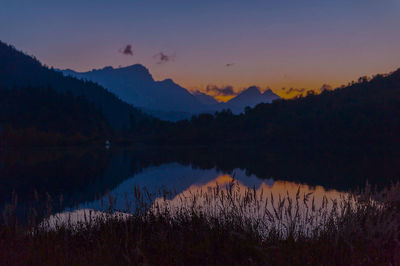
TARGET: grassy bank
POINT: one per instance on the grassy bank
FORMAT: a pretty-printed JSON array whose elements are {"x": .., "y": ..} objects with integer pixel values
[{"x": 219, "y": 226}]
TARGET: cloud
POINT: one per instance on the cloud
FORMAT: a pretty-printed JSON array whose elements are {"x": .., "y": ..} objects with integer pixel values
[
  {"x": 163, "y": 58},
  {"x": 220, "y": 91},
  {"x": 297, "y": 91},
  {"x": 230, "y": 64},
  {"x": 127, "y": 50}
]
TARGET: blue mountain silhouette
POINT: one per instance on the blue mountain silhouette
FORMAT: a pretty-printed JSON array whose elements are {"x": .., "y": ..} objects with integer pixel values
[{"x": 165, "y": 99}]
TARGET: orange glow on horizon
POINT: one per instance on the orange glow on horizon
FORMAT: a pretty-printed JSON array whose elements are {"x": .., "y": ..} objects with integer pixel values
[
  {"x": 222, "y": 98},
  {"x": 284, "y": 94}
]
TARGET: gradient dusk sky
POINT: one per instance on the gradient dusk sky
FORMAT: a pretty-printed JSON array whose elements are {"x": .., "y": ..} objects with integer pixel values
[{"x": 280, "y": 43}]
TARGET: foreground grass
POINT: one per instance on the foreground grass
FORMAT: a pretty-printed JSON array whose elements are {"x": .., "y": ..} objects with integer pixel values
[{"x": 229, "y": 226}]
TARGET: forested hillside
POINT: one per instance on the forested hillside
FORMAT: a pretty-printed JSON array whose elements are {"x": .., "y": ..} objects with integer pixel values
[
  {"x": 20, "y": 70},
  {"x": 365, "y": 114},
  {"x": 41, "y": 116}
]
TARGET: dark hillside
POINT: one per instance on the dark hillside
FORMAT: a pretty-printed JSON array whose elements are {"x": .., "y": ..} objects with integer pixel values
[
  {"x": 37, "y": 116},
  {"x": 20, "y": 70},
  {"x": 362, "y": 115}
]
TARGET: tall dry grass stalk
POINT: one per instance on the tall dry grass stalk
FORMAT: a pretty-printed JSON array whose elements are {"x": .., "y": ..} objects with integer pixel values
[{"x": 251, "y": 226}]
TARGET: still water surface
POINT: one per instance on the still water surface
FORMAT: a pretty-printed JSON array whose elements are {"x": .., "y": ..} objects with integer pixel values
[{"x": 81, "y": 179}]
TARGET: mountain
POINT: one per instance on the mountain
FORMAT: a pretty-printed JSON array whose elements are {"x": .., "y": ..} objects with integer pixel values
[
  {"x": 172, "y": 97},
  {"x": 166, "y": 99},
  {"x": 250, "y": 97},
  {"x": 115, "y": 81},
  {"x": 205, "y": 98},
  {"x": 20, "y": 70},
  {"x": 135, "y": 85}
]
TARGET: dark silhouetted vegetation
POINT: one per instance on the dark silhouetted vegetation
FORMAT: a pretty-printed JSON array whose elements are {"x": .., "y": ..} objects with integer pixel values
[
  {"x": 18, "y": 70},
  {"x": 37, "y": 116},
  {"x": 362, "y": 116},
  {"x": 232, "y": 228}
]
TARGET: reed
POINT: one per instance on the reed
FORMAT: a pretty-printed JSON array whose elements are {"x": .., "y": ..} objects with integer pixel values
[{"x": 222, "y": 225}]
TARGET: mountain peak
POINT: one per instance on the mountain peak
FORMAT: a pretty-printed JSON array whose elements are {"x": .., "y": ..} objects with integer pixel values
[
  {"x": 253, "y": 90},
  {"x": 251, "y": 97},
  {"x": 168, "y": 81},
  {"x": 270, "y": 93},
  {"x": 135, "y": 67}
]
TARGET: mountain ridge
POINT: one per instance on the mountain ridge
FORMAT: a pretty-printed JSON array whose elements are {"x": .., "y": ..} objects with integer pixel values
[
  {"x": 135, "y": 85},
  {"x": 250, "y": 97}
]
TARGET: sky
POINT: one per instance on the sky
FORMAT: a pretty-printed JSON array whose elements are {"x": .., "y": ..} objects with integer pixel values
[{"x": 269, "y": 43}]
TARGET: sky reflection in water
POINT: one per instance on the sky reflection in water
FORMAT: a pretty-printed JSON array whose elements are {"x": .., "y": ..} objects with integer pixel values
[{"x": 185, "y": 182}]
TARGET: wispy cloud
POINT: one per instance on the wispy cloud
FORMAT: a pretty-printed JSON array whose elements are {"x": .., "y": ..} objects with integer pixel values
[
  {"x": 220, "y": 91},
  {"x": 127, "y": 50},
  {"x": 163, "y": 58},
  {"x": 294, "y": 90}
]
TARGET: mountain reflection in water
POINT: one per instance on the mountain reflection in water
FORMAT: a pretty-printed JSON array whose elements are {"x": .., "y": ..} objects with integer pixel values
[
  {"x": 80, "y": 176},
  {"x": 180, "y": 180},
  {"x": 210, "y": 193}
]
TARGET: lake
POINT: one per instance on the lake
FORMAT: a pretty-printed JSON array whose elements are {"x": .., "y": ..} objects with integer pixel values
[{"x": 72, "y": 179}]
